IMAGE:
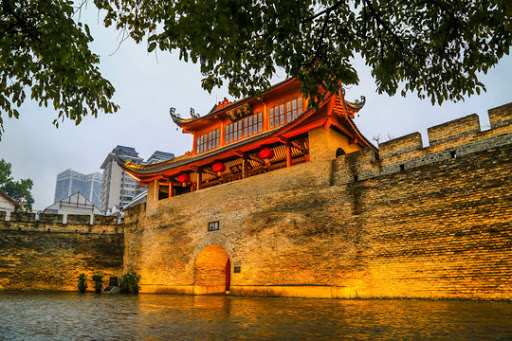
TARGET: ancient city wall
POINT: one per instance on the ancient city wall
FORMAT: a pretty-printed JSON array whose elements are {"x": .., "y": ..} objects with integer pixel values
[
  {"x": 412, "y": 221},
  {"x": 49, "y": 255}
]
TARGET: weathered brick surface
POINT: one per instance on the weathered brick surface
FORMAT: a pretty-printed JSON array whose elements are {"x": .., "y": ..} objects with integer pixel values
[
  {"x": 400, "y": 145},
  {"x": 78, "y": 219},
  {"x": 51, "y": 218},
  {"x": 50, "y": 256},
  {"x": 454, "y": 129},
  {"x": 105, "y": 220},
  {"x": 40, "y": 260},
  {"x": 355, "y": 226},
  {"x": 501, "y": 116},
  {"x": 23, "y": 216}
]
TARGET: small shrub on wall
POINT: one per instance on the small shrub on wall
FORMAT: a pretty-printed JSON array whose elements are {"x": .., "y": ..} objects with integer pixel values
[
  {"x": 130, "y": 283},
  {"x": 82, "y": 283},
  {"x": 98, "y": 283}
]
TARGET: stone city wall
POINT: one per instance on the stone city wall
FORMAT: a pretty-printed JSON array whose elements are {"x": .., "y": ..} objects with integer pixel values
[
  {"x": 412, "y": 221},
  {"x": 46, "y": 255},
  {"x": 73, "y": 219}
]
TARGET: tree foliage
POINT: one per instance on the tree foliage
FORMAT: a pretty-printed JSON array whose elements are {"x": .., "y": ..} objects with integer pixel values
[
  {"x": 82, "y": 283},
  {"x": 19, "y": 191},
  {"x": 130, "y": 283},
  {"x": 98, "y": 283},
  {"x": 43, "y": 49},
  {"x": 432, "y": 47}
]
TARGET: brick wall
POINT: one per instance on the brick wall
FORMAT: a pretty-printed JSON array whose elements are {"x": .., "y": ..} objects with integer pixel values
[
  {"x": 47, "y": 256},
  {"x": 51, "y": 218},
  {"x": 430, "y": 222}
]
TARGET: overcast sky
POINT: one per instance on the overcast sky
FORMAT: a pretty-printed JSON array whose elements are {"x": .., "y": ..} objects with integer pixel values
[{"x": 148, "y": 84}]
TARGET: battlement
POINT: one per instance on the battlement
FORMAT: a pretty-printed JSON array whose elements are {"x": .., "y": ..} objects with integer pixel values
[
  {"x": 401, "y": 145},
  {"x": 452, "y": 130},
  {"x": 450, "y": 140},
  {"x": 76, "y": 223},
  {"x": 500, "y": 116}
]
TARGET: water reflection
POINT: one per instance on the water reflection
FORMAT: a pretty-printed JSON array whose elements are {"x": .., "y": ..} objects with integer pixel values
[{"x": 70, "y": 316}]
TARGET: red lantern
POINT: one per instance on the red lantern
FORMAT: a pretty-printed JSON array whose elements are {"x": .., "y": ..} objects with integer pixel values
[
  {"x": 267, "y": 153},
  {"x": 184, "y": 178},
  {"x": 219, "y": 167}
]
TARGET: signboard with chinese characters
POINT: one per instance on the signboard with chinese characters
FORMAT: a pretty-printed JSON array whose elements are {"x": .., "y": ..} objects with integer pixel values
[{"x": 239, "y": 112}]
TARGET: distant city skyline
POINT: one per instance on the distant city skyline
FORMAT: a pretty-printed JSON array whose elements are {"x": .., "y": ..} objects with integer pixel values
[{"x": 147, "y": 85}]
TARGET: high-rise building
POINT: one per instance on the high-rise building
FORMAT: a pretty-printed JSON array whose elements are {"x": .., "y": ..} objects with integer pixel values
[
  {"x": 70, "y": 182},
  {"x": 118, "y": 188}
]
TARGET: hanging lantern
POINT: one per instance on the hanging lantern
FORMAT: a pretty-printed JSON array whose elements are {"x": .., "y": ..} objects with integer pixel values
[
  {"x": 219, "y": 167},
  {"x": 184, "y": 179},
  {"x": 266, "y": 154}
]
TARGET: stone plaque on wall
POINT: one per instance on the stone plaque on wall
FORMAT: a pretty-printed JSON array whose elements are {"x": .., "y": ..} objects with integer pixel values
[{"x": 214, "y": 225}]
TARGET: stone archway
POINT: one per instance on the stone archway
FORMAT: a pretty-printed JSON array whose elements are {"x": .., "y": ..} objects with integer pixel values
[{"x": 212, "y": 270}]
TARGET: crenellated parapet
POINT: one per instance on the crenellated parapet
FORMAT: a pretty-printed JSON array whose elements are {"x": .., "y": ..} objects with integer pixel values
[
  {"x": 459, "y": 129},
  {"x": 501, "y": 116},
  {"x": 75, "y": 223},
  {"x": 451, "y": 140}
]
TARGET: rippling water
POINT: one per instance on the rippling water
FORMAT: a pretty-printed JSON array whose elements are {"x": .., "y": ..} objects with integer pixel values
[{"x": 71, "y": 316}]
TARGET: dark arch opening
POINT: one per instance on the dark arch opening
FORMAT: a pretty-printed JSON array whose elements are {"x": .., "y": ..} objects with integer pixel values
[{"x": 340, "y": 152}]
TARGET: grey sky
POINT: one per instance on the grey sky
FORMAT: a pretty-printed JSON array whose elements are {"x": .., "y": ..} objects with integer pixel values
[{"x": 148, "y": 84}]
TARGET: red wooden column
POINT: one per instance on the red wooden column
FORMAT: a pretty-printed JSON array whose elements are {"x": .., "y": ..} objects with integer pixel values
[
  {"x": 199, "y": 179},
  {"x": 171, "y": 188},
  {"x": 245, "y": 167},
  {"x": 288, "y": 154}
]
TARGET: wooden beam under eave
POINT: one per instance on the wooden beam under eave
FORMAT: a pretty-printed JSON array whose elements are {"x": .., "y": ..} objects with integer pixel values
[
  {"x": 207, "y": 171},
  {"x": 171, "y": 189},
  {"x": 282, "y": 139},
  {"x": 328, "y": 123},
  {"x": 255, "y": 158},
  {"x": 298, "y": 146}
]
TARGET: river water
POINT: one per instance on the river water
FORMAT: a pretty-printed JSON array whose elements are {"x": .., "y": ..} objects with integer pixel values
[{"x": 72, "y": 316}]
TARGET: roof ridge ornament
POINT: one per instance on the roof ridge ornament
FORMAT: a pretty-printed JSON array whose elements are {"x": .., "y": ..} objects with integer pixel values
[
  {"x": 193, "y": 113},
  {"x": 357, "y": 104}
]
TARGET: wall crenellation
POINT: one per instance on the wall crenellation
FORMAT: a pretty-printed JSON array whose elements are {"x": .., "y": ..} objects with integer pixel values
[
  {"x": 500, "y": 116},
  {"x": 450, "y": 140},
  {"x": 452, "y": 130},
  {"x": 72, "y": 219},
  {"x": 38, "y": 226}
]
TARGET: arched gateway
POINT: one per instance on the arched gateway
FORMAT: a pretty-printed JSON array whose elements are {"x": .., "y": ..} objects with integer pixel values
[{"x": 212, "y": 270}]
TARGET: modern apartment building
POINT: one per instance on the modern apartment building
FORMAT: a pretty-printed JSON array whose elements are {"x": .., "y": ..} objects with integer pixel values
[
  {"x": 118, "y": 188},
  {"x": 70, "y": 182}
]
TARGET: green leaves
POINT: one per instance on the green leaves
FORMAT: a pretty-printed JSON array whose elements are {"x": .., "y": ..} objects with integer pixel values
[
  {"x": 433, "y": 48},
  {"x": 19, "y": 191},
  {"x": 43, "y": 49}
]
